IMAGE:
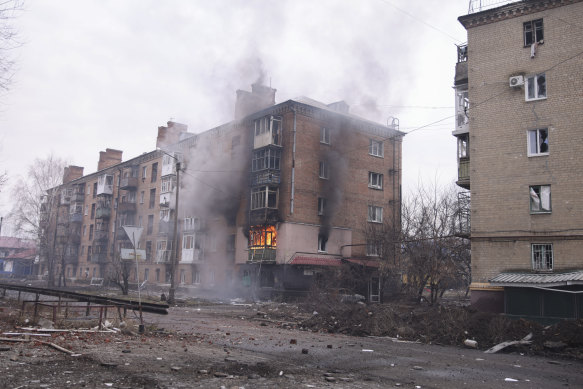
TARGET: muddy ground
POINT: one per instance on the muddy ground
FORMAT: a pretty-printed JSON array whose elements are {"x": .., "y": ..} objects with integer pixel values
[{"x": 203, "y": 344}]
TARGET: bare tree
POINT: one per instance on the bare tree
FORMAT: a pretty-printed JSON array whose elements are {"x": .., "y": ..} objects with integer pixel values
[
  {"x": 35, "y": 212},
  {"x": 9, "y": 10},
  {"x": 118, "y": 273},
  {"x": 435, "y": 256}
]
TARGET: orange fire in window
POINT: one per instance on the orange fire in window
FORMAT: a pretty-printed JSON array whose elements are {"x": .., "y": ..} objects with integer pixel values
[{"x": 261, "y": 237}]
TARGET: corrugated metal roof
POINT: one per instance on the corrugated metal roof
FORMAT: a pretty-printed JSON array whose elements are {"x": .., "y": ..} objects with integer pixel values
[
  {"x": 538, "y": 279},
  {"x": 315, "y": 261}
]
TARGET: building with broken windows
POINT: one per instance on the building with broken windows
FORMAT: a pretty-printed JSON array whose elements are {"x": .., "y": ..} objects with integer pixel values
[
  {"x": 17, "y": 257},
  {"x": 518, "y": 126},
  {"x": 265, "y": 204}
]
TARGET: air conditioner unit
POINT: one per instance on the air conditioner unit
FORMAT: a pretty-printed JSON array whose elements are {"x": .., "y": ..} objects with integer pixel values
[{"x": 516, "y": 81}]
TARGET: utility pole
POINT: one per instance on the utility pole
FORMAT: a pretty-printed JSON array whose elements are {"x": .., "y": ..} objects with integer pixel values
[{"x": 174, "y": 259}]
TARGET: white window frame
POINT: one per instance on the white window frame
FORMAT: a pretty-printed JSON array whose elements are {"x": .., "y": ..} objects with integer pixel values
[
  {"x": 375, "y": 214},
  {"x": 321, "y": 206},
  {"x": 144, "y": 171},
  {"x": 325, "y": 135},
  {"x": 540, "y": 198},
  {"x": 376, "y": 148},
  {"x": 323, "y": 171},
  {"x": 531, "y": 84},
  {"x": 142, "y": 195},
  {"x": 535, "y": 142},
  {"x": 375, "y": 180},
  {"x": 542, "y": 256}
]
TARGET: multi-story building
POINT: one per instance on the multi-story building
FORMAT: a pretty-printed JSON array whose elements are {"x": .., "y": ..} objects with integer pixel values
[
  {"x": 266, "y": 202},
  {"x": 518, "y": 106}
]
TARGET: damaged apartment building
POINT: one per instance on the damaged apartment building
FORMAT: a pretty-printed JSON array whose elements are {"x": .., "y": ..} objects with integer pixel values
[
  {"x": 270, "y": 203},
  {"x": 519, "y": 130}
]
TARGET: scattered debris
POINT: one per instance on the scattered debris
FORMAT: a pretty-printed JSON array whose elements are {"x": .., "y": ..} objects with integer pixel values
[
  {"x": 503, "y": 345},
  {"x": 471, "y": 343}
]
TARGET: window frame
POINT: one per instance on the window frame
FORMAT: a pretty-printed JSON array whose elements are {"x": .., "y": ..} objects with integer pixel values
[
  {"x": 373, "y": 248},
  {"x": 535, "y": 86},
  {"x": 322, "y": 244},
  {"x": 537, "y": 190},
  {"x": 529, "y": 142},
  {"x": 545, "y": 262},
  {"x": 321, "y": 206},
  {"x": 325, "y": 135},
  {"x": 373, "y": 214},
  {"x": 376, "y": 148},
  {"x": 323, "y": 171},
  {"x": 536, "y": 32},
  {"x": 379, "y": 180}
]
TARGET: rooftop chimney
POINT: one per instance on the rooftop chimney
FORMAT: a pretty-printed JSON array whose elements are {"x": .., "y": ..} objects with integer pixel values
[
  {"x": 71, "y": 173},
  {"x": 170, "y": 134},
  {"x": 109, "y": 157},
  {"x": 260, "y": 97}
]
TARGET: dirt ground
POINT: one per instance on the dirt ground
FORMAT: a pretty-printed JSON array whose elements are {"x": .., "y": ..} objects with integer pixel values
[{"x": 204, "y": 344}]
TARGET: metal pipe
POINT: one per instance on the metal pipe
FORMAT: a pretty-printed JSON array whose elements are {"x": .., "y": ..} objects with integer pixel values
[{"x": 293, "y": 173}]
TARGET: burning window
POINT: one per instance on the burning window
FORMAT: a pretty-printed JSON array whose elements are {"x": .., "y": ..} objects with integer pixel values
[{"x": 262, "y": 237}]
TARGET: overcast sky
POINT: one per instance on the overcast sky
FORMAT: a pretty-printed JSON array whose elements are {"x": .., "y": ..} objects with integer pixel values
[{"x": 106, "y": 73}]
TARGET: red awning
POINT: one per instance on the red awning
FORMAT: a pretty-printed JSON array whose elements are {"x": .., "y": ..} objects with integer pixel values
[{"x": 315, "y": 261}]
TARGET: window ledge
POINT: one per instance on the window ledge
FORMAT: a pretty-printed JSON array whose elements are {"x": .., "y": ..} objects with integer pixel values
[
  {"x": 375, "y": 187},
  {"x": 325, "y": 143},
  {"x": 377, "y": 156},
  {"x": 538, "y": 155},
  {"x": 375, "y": 221},
  {"x": 541, "y": 212},
  {"x": 535, "y": 99}
]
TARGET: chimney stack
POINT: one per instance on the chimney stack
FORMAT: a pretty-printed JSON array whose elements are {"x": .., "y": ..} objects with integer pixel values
[
  {"x": 109, "y": 157},
  {"x": 71, "y": 173},
  {"x": 260, "y": 97},
  {"x": 170, "y": 134}
]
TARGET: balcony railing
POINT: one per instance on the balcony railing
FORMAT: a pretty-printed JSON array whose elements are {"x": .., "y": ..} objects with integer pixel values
[
  {"x": 127, "y": 207},
  {"x": 191, "y": 256},
  {"x": 78, "y": 197},
  {"x": 101, "y": 235},
  {"x": 483, "y": 5},
  {"x": 98, "y": 257},
  {"x": 103, "y": 213},
  {"x": 76, "y": 217},
  {"x": 266, "y": 254},
  {"x": 128, "y": 183},
  {"x": 463, "y": 173},
  {"x": 163, "y": 256},
  {"x": 265, "y": 178}
]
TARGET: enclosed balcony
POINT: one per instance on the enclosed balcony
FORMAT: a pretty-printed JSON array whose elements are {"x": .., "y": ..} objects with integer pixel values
[
  {"x": 76, "y": 217},
  {"x": 163, "y": 256},
  {"x": 128, "y": 183},
  {"x": 105, "y": 184},
  {"x": 78, "y": 197},
  {"x": 191, "y": 256},
  {"x": 101, "y": 235},
  {"x": 262, "y": 244},
  {"x": 127, "y": 207},
  {"x": 462, "y": 226}
]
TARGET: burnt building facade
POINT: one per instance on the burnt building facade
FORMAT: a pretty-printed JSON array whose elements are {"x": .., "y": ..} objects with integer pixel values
[{"x": 266, "y": 203}]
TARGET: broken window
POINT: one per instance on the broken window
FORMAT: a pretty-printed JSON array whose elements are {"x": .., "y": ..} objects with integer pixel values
[
  {"x": 375, "y": 148},
  {"x": 321, "y": 206},
  {"x": 271, "y": 125},
  {"x": 154, "y": 172},
  {"x": 462, "y": 146},
  {"x": 152, "y": 198},
  {"x": 533, "y": 32},
  {"x": 322, "y": 240},
  {"x": 538, "y": 141},
  {"x": 325, "y": 135},
  {"x": 542, "y": 256},
  {"x": 375, "y": 180},
  {"x": 462, "y": 108},
  {"x": 165, "y": 215},
  {"x": 264, "y": 197},
  {"x": 188, "y": 242},
  {"x": 540, "y": 198},
  {"x": 168, "y": 184},
  {"x": 144, "y": 172},
  {"x": 266, "y": 159},
  {"x": 536, "y": 87},
  {"x": 375, "y": 214},
  {"x": 323, "y": 171}
]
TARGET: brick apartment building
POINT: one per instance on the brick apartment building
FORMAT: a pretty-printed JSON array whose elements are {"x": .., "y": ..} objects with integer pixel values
[
  {"x": 518, "y": 90},
  {"x": 266, "y": 203}
]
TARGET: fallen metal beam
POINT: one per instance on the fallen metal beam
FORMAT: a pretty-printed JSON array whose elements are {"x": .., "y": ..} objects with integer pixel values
[{"x": 160, "y": 309}]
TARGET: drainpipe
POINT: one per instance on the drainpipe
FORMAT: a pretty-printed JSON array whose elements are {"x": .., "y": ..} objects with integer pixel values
[{"x": 293, "y": 173}]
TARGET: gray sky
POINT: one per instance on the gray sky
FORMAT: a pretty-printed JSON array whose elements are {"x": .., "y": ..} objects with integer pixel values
[{"x": 93, "y": 74}]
